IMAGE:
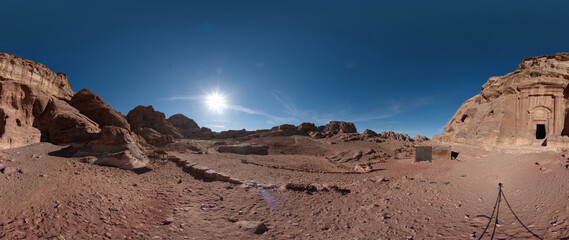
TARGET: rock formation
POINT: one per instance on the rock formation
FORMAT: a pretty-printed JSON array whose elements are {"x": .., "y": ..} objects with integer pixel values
[
  {"x": 335, "y": 127},
  {"x": 287, "y": 128},
  {"x": 151, "y": 125},
  {"x": 306, "y": 127},
  {"x": 115, "y": 147},
  {"x": 92, "y": 106},
  {"x": 34, "y": 108},
  {"x": 527, "y": 106},
  {"x": 61, "y": 123},
  {"x": 370, "y": 133},
  {"x": 35, "y": 75},
  {"x": 182, "y": 122},
  {"x": 395, "y": 136},
  {"x": 420, "y": 139}
]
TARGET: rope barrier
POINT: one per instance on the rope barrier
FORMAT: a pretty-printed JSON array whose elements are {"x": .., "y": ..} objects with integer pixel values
[{"x": 497, "y": 211}]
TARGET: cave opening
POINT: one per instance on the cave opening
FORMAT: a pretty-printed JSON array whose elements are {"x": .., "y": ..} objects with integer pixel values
[{"x": 540, "y": 131}]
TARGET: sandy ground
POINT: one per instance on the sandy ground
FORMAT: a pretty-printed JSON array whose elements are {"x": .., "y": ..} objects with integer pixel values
[{"x": 62, "y": 198}]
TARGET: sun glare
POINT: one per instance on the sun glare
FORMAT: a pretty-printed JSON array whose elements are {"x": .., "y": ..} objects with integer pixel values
[{"x": 216, "y": 102}]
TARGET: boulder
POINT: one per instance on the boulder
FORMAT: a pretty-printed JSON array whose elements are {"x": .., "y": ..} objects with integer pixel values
[
  {"x": 253, "y": 226},
  {"x": 61, "y": 123},
  {"x": 335, "y": 127},
  {"x": 244, "y": 149},
  {"x": 9, "y": 170},
  {"x": 92, "y": 106},
  {"x": 115, "y": 147},
  {"x": 306, "y": 127},
  {"x": 316, "y": 135}
]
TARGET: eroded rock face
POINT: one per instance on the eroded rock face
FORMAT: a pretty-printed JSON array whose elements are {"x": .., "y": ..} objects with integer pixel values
[
  {"x": 143, "y": 118},
  {"x": 370, "y": 133},
  {"x": 335, "y": 127},
  {"x": 20, "y": 107},
  {"x": 395, "y": 136},
  {"x": 287, "y": 128},
  {"x": 306, "y": 127},
  {"x": 117, "y": 147},
  {"x": 420, "y": 139},
  {"x": 36, "y": 75},
  {"x": 520, "y": 108},
  {"x": 92, "y": 106},
  {"x": 61, "y": 123},
  {"x": 182, "y": 122}
]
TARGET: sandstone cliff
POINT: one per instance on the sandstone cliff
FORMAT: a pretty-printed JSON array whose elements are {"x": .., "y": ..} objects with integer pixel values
[
  {"x": 34, "y": 107},
  {"x": 527, "y": 106},
  {"x": 34, "y": 74}
]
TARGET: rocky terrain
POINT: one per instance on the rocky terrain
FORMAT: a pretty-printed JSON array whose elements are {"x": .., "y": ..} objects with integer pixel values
[{"x": 72, "y": 167}]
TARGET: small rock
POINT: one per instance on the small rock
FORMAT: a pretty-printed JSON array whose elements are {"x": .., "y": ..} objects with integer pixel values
[
  {"x": 89, "y": 159},
  {"x": 168, "y": 221},
  {"x": 249, "y": 184},
  {"x": 10, "y": 170},
  {"x": 253, "y": 226}
]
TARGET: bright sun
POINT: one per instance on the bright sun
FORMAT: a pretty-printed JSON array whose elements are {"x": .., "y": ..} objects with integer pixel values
[{"x": 216, "y": 102}]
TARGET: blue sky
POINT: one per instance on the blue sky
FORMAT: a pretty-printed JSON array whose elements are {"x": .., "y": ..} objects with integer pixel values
[{"x": 385, "y": 65}]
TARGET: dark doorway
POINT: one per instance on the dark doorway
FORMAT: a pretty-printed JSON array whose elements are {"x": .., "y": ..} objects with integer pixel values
[{"x": 540, "y": 131}]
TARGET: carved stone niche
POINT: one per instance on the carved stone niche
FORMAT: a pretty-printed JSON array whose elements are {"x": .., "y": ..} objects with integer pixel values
[{"x": 540, "y": 123}]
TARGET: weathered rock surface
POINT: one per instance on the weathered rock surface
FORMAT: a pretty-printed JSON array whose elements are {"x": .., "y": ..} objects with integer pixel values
[
  {"x": 182, "y": 122},
  {"x": 143, "y": 118},
  {"x": 420, "y": 139},
  {"x": 153, "y": 137},
  {"x": 335, "y": 127},
  {"x": 92, "y": 106},
  {"x": 287, "y": 128},
  {"x": 34, "y": 108},
  {"x": 244, "y": 149},
  {"x": 520, "y": 108},
  {"x": 306, "y": 127},
  {"x": 115, "y": 147},
  {"x": 370, "y": 133},
  {"x": 35, "y": 75},
  {"x": 395, "y": 136},
  {"x": 253, "y": 226},
  {"x": 61, "y": 123}
]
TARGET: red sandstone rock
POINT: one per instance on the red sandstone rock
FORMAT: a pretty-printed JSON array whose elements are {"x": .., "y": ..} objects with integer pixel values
[
  {"x": 287, "y": 128},
  {"x": 35, "y": 75},
  {"x": 92, "y": 106},
  {"x": 516, "y": 108},
  {"x": 306, "y": 127},
  {"x": 141, "y": 119},
  {"x": 335, "y": 127}
]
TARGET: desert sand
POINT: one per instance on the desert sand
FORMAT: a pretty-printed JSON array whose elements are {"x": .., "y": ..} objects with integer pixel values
[{"x": 57, "y": 197}]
